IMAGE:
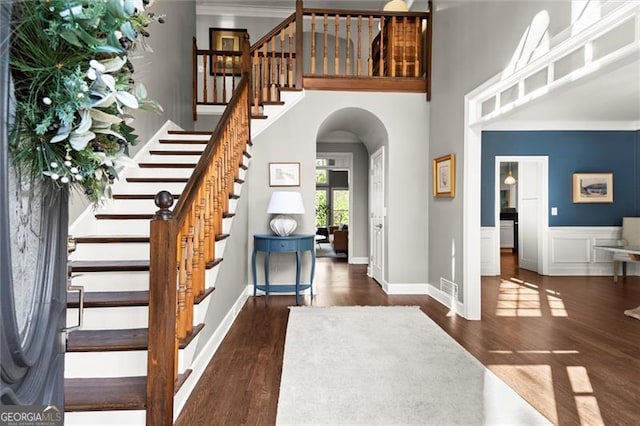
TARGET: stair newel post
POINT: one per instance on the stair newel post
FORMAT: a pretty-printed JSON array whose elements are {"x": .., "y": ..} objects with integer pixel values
[
  {"x": 162, "y": 356},
  {"x": 247, "y": 66},
  {"x": 299, "y": 34}
]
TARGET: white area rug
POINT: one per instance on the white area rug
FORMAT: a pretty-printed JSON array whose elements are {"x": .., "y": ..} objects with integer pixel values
[{"x": 387, "y": 366}]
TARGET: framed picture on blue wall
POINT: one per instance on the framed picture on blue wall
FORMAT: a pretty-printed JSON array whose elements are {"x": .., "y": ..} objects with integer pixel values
[{"x": 593, "y": 187}]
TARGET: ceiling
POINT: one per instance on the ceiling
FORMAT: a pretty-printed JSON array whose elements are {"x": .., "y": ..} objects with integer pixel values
[{"x": 277, "y": 8}]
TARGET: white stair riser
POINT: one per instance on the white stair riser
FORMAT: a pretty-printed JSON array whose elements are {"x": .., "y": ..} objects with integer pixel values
[
  {"x": 128, "y": 206},
  {"x": 153, "y": 172},
  {"x": 118, "y": 363},
  {"x": 148, "y": 188},
  {"x": 110, "y": 251},
  {"x": 112, "y": 281},
  {"x": 112, "y": 364},
  {"x": 105, "y": 418},
  {"x": 182, "y": 159},
  {"x": 187, "y": 137},
  {"x": 134, "y": 227},
  {"x": 180, "y": 147},
  {"x": 116, "y": 318}
]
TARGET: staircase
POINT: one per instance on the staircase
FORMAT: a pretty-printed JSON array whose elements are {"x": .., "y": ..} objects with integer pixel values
[{"x": 106, "y": 359}]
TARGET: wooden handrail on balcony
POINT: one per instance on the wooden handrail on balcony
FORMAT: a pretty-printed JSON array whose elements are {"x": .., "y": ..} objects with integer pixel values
[
  {"x": 182, "y": 246},
  {"x": 343, "y": 50}
]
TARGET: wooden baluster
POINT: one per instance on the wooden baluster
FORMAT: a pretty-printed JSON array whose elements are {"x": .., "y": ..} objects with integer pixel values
[
  {"x": 325, "y": 68},
  {"x": 370, "y": 62},
  {"x": 347, "y": 66},
  {"x": 405, "y": 24},
  {"x": 223, "y": 81},
  {"x": 215, "y": 78},
  {"x": 204, "y": 78},
  {"x": 417, "y": 43},
  {"x": 290, "y": 64},
  {"x": 313, "y": 43},
  {"x": 281, "y": 71},
  {"x": 273, "y": 88},
  {"x": 382, "y": 47},
  {"x": 265, "y": 73},
  {"x": 182, "y": 278},
  {"x": 359, "y": 59},
  {"x": 256, "y": 83},
  {"x": 209, "y": 236},
  {"x": 191, "y": 259},
  {"x": 336, "y": 52}
]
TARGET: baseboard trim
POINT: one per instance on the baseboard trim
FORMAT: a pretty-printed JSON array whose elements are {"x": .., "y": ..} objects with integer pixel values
[
  {"x": 203, "y": 359},
  {"x": 405, "y": 288},
  {"x": 359, "y": 261},
  {"x": 446, "y": 299}
]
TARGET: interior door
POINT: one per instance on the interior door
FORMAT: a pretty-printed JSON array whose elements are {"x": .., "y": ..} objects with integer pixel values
[
  {"x": 376, "y": 214},
  {"x": 529, "y": 205}
]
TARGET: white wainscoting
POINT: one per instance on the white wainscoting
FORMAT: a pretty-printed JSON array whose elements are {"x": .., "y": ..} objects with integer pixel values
[
  {"x": 489, "y": 254},
  {"x": 571, "y": 250}
]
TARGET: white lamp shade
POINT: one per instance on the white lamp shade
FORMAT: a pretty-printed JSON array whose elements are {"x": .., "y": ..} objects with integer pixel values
[
  {"x": 395, "y": 6},
  {"x": 510, "y": 180},
  {"x": 285, "y": 202}
]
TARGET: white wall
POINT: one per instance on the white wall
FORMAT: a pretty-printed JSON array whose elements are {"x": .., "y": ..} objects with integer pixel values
[
  {"x": 293, "y": 138},
  {"x": 473, "y": 41}
]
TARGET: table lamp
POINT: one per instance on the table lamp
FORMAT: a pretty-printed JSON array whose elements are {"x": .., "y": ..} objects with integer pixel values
[{"x": 283, "y": 204}]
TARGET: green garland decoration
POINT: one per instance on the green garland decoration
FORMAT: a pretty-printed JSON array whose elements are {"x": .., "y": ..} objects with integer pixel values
[{"x": 74, "y": 89}]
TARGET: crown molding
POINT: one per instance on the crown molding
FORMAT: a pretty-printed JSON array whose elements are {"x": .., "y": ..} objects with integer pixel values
[{"x": 246, "y": 11}]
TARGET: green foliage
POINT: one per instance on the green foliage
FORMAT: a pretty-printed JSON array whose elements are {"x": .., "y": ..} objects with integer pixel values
[{"x": 73, "y": 87}]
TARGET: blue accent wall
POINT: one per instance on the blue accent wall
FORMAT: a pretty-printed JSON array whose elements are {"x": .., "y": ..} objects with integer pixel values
[{"x": 569, "y": 152}]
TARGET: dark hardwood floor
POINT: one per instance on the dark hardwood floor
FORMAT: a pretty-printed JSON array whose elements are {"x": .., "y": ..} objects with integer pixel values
[{"x": 562, "y": 343}]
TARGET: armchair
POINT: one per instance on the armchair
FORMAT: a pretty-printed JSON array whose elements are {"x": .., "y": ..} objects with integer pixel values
[{"x": 341, "y": 241}]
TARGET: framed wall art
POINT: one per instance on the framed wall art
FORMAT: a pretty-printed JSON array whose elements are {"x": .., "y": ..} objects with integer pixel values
[
  {"x": 284, "y": 174},
  {"x": 226, "y": 40},
  {"x": 593, "y": 187},
  {"x": 444, "y": 175}
]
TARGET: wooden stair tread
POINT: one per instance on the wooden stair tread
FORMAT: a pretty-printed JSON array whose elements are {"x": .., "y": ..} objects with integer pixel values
[
  {"x": 93, "y": 239},
  {"x": 133, "y": 339},
  {"x": 108, "y": 265},
  {"x": 190, "y": 132},
  {"x": 100, "y": 393},
  {"x": 123, "y": 216},
  {"x": 184, "y": 141},
  {"x": 158, "y": 179},
  {"x": 130, "y": 339},
  {"x": 258, "y": 117},
  {"x": 109, "y": 299},
  {"x": 139, "y": 196},
  {"x": 272, "y": 103},
  {"x": 167, "y": 165},
  {"x": 109, "y": 393},
  {"x": 172, "y": 152}
]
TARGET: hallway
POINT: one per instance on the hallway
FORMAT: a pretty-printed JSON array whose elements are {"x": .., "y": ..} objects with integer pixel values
[{"x": 561, "y": 342}]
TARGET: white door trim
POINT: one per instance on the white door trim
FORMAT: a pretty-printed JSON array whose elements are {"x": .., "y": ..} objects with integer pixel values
[{"x": 543, "y": 218}]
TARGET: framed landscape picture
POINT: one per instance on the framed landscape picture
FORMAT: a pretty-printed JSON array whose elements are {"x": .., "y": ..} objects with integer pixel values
[
  {"x": 284, "y": 174},
  {"x": 593, "y": 187},
  {"x": 444, "y": 174}
]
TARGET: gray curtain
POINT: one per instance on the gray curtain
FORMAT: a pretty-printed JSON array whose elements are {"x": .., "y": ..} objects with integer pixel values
[{"x": 31, "y": 344}]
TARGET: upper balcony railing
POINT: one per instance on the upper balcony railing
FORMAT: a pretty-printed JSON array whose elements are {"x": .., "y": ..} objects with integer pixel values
[{"x": 326, "y": 50}]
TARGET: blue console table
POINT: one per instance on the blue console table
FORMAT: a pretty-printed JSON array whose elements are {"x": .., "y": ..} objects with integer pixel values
[{"x": 271, "y": 243}]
